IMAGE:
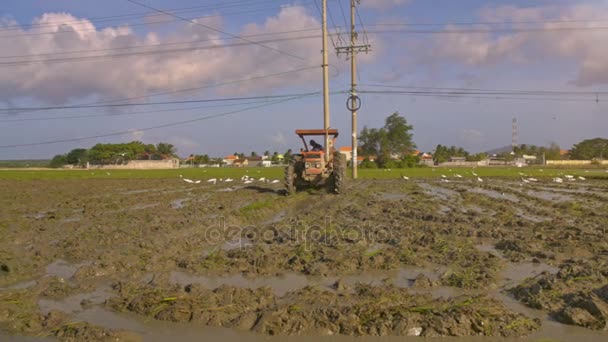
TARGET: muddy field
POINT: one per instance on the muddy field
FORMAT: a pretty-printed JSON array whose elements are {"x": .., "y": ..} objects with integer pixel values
[{"x": 129, "y": 260}]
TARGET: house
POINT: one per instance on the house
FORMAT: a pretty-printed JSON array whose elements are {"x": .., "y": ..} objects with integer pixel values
[
  {"x": 347, "y": 151},
  {"x": 240, "y": 162},
  {"x": 229, "y": 160},
  {"x": 458, "y": 159},
  {"x": 254, "y": 161},
  {"x": 266, "y": 163},
  {"x": 425, "y": 159}
]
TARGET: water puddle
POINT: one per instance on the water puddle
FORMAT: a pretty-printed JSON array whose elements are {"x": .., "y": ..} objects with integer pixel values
[
  {"x": 439, "y": 192},
  {"x": 515, "y": 273},
  {"x": 549, "y": 196},
  {"x": 76, "y": 302},
  {"x": 62, "y": 269},
  {"x": 394, "y": 197},
  {"x": 403, "y": 278},
  {"x": 495, "y": 194},
  {"x": 19, "y": 286}
]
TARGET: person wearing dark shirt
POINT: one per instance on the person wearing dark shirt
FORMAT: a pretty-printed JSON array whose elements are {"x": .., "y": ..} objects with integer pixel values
[{"x": 316, "y": 146}]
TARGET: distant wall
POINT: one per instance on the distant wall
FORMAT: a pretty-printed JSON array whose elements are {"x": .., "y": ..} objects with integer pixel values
[
  {"x": 466, "y": 163},
  {"x": 575, "y": 162},
  {"x": 141, "y": 165}
]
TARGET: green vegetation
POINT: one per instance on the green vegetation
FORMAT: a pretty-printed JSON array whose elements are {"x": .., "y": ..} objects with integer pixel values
[
  {"x": 590, "y": 149},
  {"x": 277, "y": 173},
  {"x": 104, "y": 154},
  {"x": 391, "y": 140},
  {"x": 5, "y": 164}
]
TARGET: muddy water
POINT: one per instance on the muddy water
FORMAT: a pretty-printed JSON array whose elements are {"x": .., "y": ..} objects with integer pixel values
[
  {"x": 292, "y": 281},
  {"x": 495, "y": 194},
  {"x": 131, "y": 245}
]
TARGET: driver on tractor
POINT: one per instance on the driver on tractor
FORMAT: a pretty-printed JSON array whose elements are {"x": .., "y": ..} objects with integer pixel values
[{"x": 316, "y": 147}]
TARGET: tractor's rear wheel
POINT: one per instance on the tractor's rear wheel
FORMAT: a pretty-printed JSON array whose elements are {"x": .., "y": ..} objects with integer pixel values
[
  {"x": 290, "y": 179},
  {"x": 338, "y": 176}
]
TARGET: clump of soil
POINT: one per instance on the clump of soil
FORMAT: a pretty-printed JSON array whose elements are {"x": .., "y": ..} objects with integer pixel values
[
  {"x": 571, "y": 296},
  {"x": 366, "y": 310}
]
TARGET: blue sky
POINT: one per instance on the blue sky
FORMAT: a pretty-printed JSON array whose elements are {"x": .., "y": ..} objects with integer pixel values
[{"x": 518, "y": 60}]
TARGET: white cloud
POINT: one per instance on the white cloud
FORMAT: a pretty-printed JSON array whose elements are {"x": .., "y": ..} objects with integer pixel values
[
  {"x": 144, "y": 73},
  {"x": 585, "y": 47},
  {"x": 382, "y": 4}
]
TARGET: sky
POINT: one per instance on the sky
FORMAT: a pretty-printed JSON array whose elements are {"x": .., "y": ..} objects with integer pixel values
[{"x": 88, "y": 54}]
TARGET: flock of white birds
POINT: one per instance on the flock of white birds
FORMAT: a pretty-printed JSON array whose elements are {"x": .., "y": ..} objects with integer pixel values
[
  {"x": 245, "y": 180},
  {"x": 524, "y": 178}
]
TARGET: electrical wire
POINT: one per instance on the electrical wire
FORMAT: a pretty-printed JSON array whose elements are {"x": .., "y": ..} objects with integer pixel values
[
  {"x": 492, "y": 91},
  {"x": 153, "y": 127},
  {"x": 155, "y": 52},
  {"x": 178, "y": 91},
  {"x": 147, "y": 23},
  {"x": 115, "y": 105},
  {"x": 215, "y": 29},
  {"x": 475, "y": 96},
  {"x": 159, "y": 44},
  {"x": 140, "y": 15},
  {"x": 172, "y": 110}
]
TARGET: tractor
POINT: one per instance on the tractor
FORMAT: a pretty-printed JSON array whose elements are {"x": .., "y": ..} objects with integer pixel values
[{"x": 310, "y": 168}]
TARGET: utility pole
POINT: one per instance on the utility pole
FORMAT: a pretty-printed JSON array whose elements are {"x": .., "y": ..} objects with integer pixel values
[
  {"x": 325, "y": 81},
  {"x": 354, "y": 103}
]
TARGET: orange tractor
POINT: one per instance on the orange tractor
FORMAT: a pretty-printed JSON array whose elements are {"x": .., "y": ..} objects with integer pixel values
[{"x": 311, "y": 168}]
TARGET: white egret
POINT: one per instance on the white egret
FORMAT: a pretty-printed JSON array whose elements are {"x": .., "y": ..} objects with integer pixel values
[{"x": 479, "y": 180}]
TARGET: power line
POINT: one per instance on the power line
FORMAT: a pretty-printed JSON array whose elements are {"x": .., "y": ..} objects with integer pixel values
[
  {"x": 13, "y": 63},
  {"x": 493, "y": 91},
  {"x": 366, "y": 38},
  {"x": 153, "y": 103},
  {"x": 494, "y": 30},
  {"x": 158, "y": 45},
  {"x": 475, "y": 96},
  {"x": 172, "y": 110},
  {"x": 214, "y": 29},
  {"x": 72, "y": 30},
  {"x": 152, "y": 127},
  {"x": 140, "y": 15},
  {"x": 154, "y": 52},
  {"x": 173, "y": 92},
  {"x": 333, "y": 43}
]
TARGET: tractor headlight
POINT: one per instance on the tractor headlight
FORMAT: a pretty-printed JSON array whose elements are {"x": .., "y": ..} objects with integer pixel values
[
  {"x": 318, "y": 165},
  {"x": 307, "y": 165}
]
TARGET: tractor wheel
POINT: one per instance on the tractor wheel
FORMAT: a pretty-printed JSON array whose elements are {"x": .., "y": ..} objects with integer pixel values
[
  {"x": 290, "y": 179},
  {"x": 338, "y": 176}
]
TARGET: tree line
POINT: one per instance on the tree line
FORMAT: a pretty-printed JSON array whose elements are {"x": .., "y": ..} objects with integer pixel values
[{"x": 108, "y": 154}]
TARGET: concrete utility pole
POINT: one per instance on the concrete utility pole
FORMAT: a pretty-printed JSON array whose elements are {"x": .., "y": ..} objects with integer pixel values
[
  {"x": 354, "y": 103},
  {"x": 325, "y": 81}
]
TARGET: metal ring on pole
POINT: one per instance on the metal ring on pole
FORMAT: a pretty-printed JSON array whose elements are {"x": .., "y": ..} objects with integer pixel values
[{"x": 353, "y": 103}]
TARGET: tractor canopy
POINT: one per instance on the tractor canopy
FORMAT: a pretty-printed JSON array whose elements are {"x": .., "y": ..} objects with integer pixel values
[{"x": 302, "y": 133}]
